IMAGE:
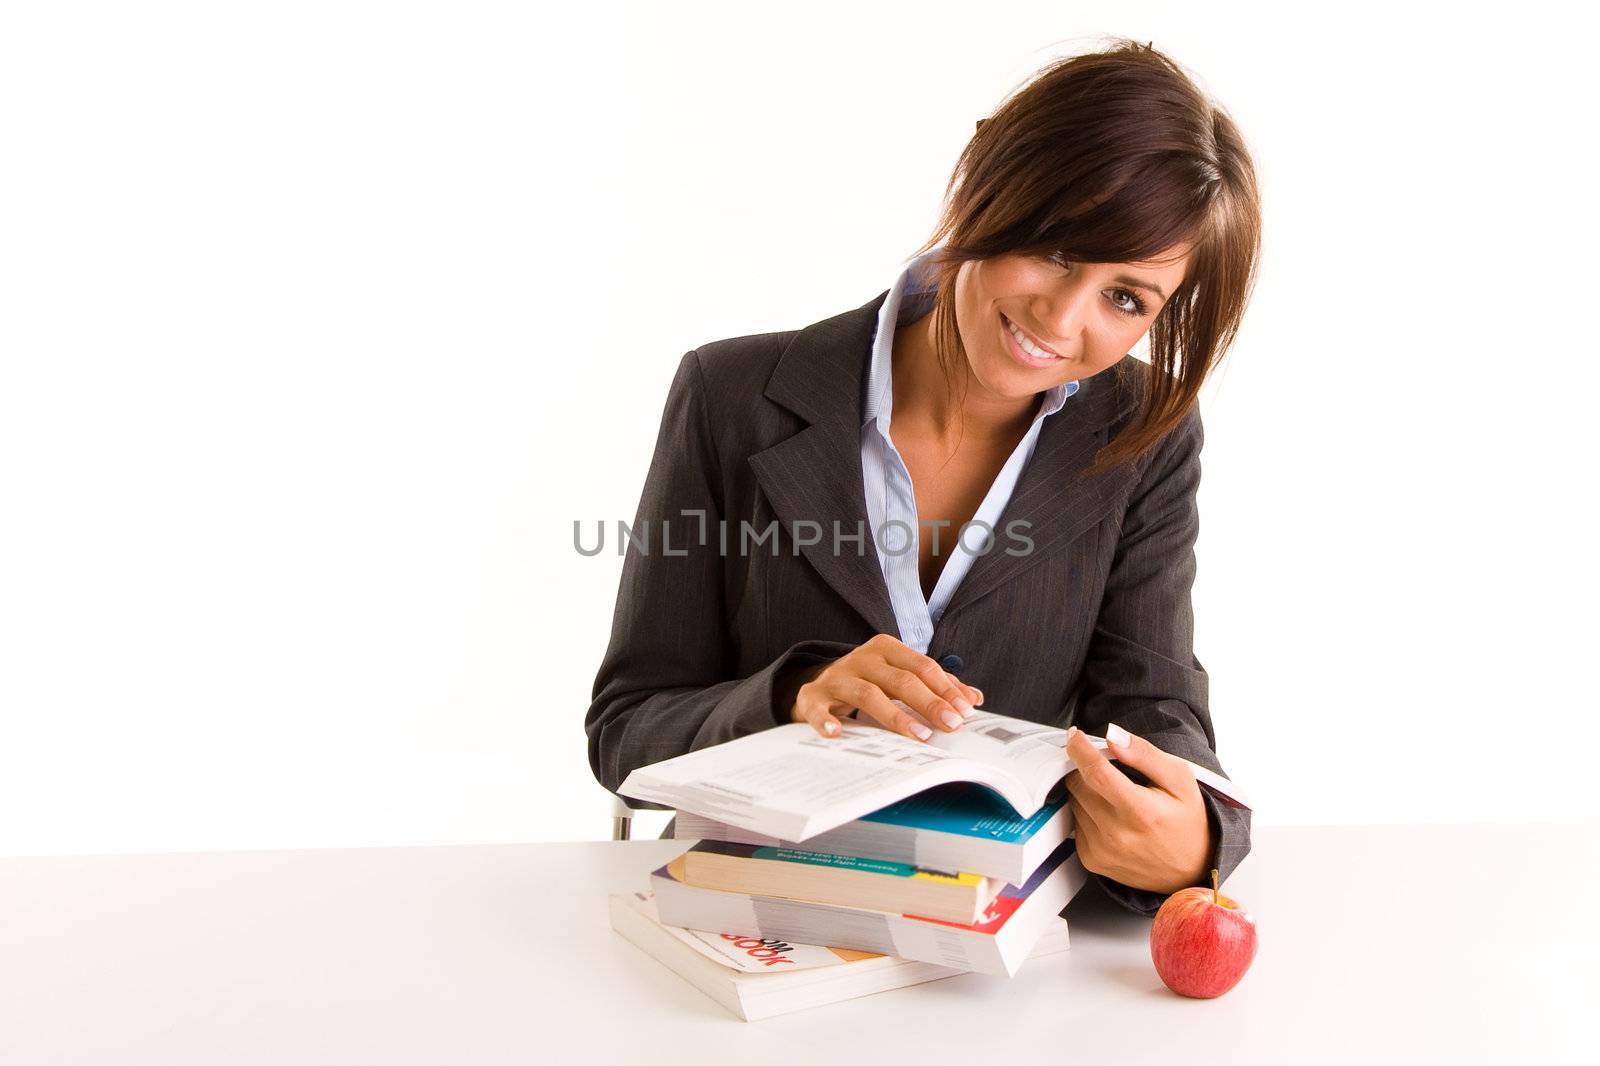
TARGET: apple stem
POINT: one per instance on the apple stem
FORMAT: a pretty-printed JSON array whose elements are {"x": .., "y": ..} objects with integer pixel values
[{"x": 1213, "y": 886}]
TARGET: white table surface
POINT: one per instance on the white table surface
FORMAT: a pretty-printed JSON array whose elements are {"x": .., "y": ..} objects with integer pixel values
[{"x": 1377, "y": 944}]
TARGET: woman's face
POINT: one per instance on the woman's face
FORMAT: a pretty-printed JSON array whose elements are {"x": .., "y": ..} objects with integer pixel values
[{"x": 1088, "y": 314}]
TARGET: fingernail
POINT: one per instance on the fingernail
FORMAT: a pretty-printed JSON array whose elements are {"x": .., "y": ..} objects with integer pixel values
[
  {"x": 980, "y": 696},
  {"x": 921, "y": 730},
  {"x": 963, "y": 706},
  {"x": 950, "y": 718},
  {"x": 830, "y": 728},
  {"x": 1071, "y": 730},
  {"x": 1117, "y": 736}
]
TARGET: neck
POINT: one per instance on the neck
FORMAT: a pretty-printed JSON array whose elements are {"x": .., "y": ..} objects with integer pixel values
[{"x": 950, "y": 409}]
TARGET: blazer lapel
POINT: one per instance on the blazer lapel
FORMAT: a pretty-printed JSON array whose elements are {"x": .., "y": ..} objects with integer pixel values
[
  {"x": 815, "y": 475},
  {"x": 1056, "y": 503}
]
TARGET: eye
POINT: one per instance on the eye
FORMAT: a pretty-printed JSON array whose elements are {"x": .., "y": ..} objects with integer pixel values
[{"x": 1135, "y": 307}]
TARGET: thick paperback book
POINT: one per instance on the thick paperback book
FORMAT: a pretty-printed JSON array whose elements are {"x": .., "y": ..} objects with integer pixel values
[{"x": 854, "y": 881}]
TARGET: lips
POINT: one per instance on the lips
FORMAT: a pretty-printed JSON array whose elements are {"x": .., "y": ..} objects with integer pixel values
[
  {"x": 1031, "y": 338},
  {"x": 1020, "y": 354}
]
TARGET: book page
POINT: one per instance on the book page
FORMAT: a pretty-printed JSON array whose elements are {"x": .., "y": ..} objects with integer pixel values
[
  {"x": 1028, "y": 751},
  {"x": 788, "y": 782},
  {"x": 791, "y": 783},
  {"x": 1034, "y": 754}
]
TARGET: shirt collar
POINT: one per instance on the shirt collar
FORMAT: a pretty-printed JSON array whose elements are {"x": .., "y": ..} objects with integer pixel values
[{"x": 909, "y": 298}]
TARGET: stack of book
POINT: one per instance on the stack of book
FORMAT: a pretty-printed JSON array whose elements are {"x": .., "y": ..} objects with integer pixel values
[
  {"x": 760, "y": 977},
  {"x": 955, "y": 853}
]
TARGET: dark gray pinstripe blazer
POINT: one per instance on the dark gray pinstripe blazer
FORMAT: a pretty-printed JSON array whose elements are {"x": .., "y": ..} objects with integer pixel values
[{"x": 1091, "y": 626}]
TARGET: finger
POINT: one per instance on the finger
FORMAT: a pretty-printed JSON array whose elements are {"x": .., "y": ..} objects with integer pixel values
[
  {"x": 862, "y": 693},
  {"x": 910, "y": 687},
  {"x": 825, "y": 696},
  {"x": 1083, "y": 821},
  {"x": 846, "y": 707},
  {"x": 947, "y": 686},
  {"x": 1097, "y": 774},
  {"x": 1085, "y": 836},
  {"x": 1100, "y": 808},
  {"x": 816, "y": 713},
  {"x": 823, "y": 722},
  {"x": 943, "y": 684},
  {"x": 860, "y": 717},
  {"x": 1166, "y": 771},
  {"x": 951, "y": 689},
  {"x": 1099, "y": 847},
  {"x": 974, "y": 694}
]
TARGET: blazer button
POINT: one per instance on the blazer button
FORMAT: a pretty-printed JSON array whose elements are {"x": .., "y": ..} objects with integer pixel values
[{"x": 953, "y": 663}]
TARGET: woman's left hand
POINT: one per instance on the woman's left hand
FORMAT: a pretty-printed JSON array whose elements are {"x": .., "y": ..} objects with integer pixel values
[{"x": 1156, "y": 837}]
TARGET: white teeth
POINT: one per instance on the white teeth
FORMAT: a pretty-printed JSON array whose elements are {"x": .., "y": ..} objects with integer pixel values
[{"x": 1027, "y": 345}]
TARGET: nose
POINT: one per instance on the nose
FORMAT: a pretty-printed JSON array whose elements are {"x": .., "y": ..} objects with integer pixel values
[{"x": 1062, "y": 311}]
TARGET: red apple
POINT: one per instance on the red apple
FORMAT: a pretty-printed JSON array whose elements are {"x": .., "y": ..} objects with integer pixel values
[{"x": 1202, "y": 942}]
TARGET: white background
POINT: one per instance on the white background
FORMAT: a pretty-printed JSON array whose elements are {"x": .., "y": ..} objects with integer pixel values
[{"x": 322, "y": 323}]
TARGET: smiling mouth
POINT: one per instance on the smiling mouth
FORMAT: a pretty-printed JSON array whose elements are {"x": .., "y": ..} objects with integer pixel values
[{"x": 1027, "y": 344}]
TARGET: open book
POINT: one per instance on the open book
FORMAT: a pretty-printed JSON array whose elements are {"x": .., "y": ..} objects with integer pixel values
[
  {"x": 956, "y": 826},
  {"x": 788, "y": 782}
]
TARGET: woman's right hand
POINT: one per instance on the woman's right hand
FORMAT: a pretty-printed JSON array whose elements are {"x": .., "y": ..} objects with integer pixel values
[{"x": 871, "y": 677}]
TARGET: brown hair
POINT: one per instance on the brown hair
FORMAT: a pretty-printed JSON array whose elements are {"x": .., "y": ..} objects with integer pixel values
[{"x": 1110, "y": 157}]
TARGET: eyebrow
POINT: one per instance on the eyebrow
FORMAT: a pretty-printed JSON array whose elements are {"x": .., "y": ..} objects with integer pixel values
[
  {"x": 1127, "y": 279},
  {"x": 1140, "y": 283}
]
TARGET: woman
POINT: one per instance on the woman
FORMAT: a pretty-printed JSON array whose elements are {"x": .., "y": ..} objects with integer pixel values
[{"x": 986, "y": 412}]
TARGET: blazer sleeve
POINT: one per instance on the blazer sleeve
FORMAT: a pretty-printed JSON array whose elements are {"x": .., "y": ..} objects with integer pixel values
[
  {"x": 665, "y": 685},
  {"x": 1141, "y": 671}
]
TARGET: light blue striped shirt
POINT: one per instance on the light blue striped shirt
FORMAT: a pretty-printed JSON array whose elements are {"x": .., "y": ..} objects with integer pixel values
[{"x": 891, "y": 503}]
